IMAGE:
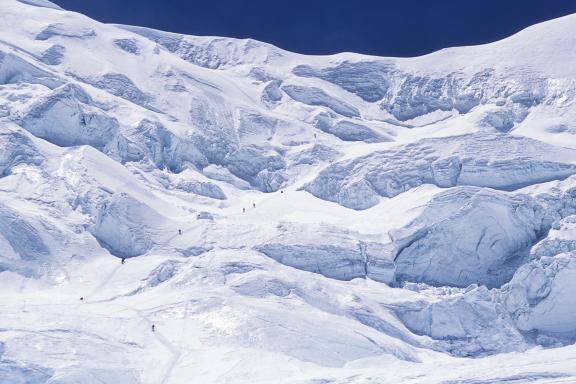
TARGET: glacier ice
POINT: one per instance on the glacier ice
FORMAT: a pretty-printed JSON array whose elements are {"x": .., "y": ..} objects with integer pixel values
[
  {"x": 66, "y": 117},
  {"x": 349, "y": 131},
  {"x": 14, "y": 69},
  {"x": 54, "y": 55},
  {"x": 470, "y": 323},
  {"x": 64, "y": 30},
  {"x": 128, "y": 45},
  {"x": 559, "y": 240},
  {"x": 23, "y": 248},
  {"x": 317, "y": 97},
  {"x": 17, "y": 149},
  {"x": 491, "y": 236},
  {"x": 272, "y": 93},
  {"x": 366, "y": 79},
  {"x": 259, "y": 166},
  {"x": 482, "y": 159},
  {"x": 166, "y": 150},
  {"x": 119, "y": 226},
  {"x": 332, "y": 253},
  {"x": 540, "y": 298},
  {"x": 120, "y": 85},
  {"x": 41, "y": 3},
  {"x": 327, "y": 216}
]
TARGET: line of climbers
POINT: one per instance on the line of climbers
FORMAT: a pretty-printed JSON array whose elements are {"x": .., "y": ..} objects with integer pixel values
[{"x": 123, "y": 260}]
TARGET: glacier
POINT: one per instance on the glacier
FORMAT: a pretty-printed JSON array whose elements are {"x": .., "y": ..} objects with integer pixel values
[{"x": 179, "y": 209}]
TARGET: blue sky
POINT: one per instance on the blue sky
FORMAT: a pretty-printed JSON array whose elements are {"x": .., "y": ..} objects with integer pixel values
[{"x": 379, "y": 27}]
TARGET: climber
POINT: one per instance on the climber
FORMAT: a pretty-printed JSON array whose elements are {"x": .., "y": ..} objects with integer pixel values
[
  {"x": 179, "y": 231},
  {"x": 254, "y": 205},
  {"x": 123, "y": 260},
  {"x": 243, "y": 210},
  {"x": 153, "y": 327}
]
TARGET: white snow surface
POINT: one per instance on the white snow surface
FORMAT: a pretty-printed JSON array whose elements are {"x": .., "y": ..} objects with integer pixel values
[{"x": 180, "y": 209}]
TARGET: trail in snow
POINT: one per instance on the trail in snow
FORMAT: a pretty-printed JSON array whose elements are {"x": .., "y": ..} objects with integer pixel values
[
  {"x": 102, "y": 284},
  {"x": 176, "y": 352}
]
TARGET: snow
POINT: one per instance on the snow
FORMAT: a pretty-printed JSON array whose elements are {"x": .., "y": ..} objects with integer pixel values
[{"x": 283, "y": 218}]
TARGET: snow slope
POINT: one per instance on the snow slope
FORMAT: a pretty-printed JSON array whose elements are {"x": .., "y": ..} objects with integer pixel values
[{"x": 282, "y": 218}]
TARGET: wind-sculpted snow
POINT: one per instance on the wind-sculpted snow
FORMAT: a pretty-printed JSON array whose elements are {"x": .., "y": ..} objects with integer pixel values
[
  {"x": 66, "y": 117},
  {"x": 65, "y": 30},
  {"x": 120, "y": 226},
  {"x": 541, "y": 298},
  {"x": 486, "y": 160},
  {"x": 317, "y": 97},
  {"x": 349, "y": 131}
]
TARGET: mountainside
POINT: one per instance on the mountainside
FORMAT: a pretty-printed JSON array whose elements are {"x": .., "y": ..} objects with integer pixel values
[{"x": 179, "y": 209}]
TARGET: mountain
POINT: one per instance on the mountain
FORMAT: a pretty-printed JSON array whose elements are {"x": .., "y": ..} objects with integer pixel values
[{"x": 179, "y": 209}]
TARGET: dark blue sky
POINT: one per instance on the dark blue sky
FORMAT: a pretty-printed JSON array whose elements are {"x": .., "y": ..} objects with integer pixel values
[{"x": 379, "y": 27}]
